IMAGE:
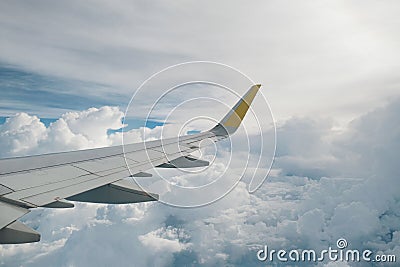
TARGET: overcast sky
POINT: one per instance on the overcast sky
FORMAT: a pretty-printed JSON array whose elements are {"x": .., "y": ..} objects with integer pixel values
[
  {"x": 336, "y": 58},
  {"x": 329, "y": 71}
]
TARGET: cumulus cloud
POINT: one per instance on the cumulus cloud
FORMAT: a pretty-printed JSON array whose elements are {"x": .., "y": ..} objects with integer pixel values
[
  {"x": 23, "y": 134},
  {"x": 164, "y": 240},
  {"x": 354, "y": 194}
]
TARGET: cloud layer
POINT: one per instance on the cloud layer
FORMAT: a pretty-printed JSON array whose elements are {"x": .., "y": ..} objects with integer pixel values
[{"x": 326, "y": 184}]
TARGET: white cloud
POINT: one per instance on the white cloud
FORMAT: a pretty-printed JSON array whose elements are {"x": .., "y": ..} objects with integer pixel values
[
  {"x": 23, "y": 134},
  {"x": 19, "y": 134},
  {"x": 164, "y": 240}
]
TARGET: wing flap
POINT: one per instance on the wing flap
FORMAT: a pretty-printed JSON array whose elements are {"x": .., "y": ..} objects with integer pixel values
[
  {"x": 49, "y": 193},
  {"x": 10, "y": 213},
  {"x": 42, "y": 177},
  {"x": 99, "y": 166},
  {"x": 90, "y": 182}
]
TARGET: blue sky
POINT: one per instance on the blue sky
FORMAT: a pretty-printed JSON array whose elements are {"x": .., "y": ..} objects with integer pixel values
[
  {"x": 27, "y": 91},
  {"x": 329, "y": 70},
  {"x": 48, "y": 96}
]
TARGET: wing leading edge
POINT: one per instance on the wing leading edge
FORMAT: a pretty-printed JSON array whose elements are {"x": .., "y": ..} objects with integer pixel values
[{"x": 96, "y": 175}]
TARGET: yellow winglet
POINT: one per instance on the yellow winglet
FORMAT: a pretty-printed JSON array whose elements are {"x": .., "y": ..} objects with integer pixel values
[{"x": 231, "y": 122}]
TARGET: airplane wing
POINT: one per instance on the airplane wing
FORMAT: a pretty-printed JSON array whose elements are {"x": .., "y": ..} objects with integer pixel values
[{"x": 96, "y": 175}]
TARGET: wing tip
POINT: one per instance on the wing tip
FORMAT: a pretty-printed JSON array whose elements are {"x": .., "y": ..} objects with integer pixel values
[{"x": 231, "y": 122}]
